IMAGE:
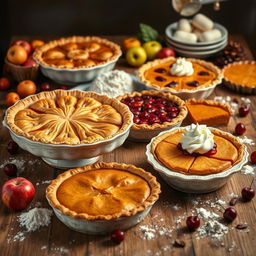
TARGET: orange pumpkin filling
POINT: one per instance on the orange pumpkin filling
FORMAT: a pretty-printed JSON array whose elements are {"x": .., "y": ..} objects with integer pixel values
[
  {"x": 103, "y": 192},
  {"x": 160, "y": 75}
]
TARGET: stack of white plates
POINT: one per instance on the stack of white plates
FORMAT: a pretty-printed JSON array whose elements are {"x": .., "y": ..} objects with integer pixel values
[{"x": 199, "y": 49}]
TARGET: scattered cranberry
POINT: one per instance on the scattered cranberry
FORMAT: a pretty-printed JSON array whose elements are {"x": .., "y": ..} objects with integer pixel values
[
  {"x": 160, "y": 79},
  {"x": 193, "y": 83},
  {"x": 172, "y": 84},
  {"x": 248, "y": 193},
  {"x": 136, "y": 120},
  {"x": 230, "y": 214},
  {"x": 160, "y": 70},
  {"x": 212, "y": 151},
  {"x": 203, "y": 73},
  {"x": 253, "y": 157},
  {"x": 240, "y": 129},
  {"x": 12, "y": 147},
  {"x": 10, "y": 170},
  {"x": 45, "y": 87},
  {"x": 244, "y": 110},
  {"x": 193, "y": 223},
  {"x": 117, "y": 236},
  {"x": 63, "y": 87}
]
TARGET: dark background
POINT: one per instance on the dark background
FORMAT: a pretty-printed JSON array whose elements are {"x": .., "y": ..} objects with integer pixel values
[{"x": 109, "y": 17}]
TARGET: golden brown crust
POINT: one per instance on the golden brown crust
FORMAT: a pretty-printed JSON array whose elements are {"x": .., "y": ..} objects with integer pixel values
[
  {"x": 208, "y": 65},
  {"x": 211, "y": 103},
  {"x": 25, "y": 103},
  {"x": 235, "y": 141},
  {"x": 77, "y": 39},
  {"x": 235, "y": 86},
  {"x": 181, "y": 105},
  {"x": 51, "y": 192}
]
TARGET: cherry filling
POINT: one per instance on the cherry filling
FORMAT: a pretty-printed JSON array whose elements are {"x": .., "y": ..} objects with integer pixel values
[
  {"x": 209, "y": 153},
  {"x": 149, "y": 109}
]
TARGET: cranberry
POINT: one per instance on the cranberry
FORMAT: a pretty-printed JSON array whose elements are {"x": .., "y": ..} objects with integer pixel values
[
  {"x": 160, "y": 70},
  {"x": 159, "y": 106},
  {"x": 244, "y": 110},
  {"x": 230, "y": 214},
  {"x": 63, "y": 87},
  {"x": 153, "y": 118},
  {"x": 160, "y": 78},
  {"x": 193, "y": 223},
  {"x": 137, "y": 98},
  {"x": 161, "y": 100},
  {"x": 45, "y": 87},
  {"x": 136, "y": 104},
  {"x": 172, "y": 84},
  {"x": 117, "y": 236},
  {"x": 173, "y": 114},
  {"x": 135, "y": 111},
  {"x": 144, "y": 115},
  {"x": 172, "y": 109},
  {"x": 248, "y": 193},
  {"x": 146, "y": 97},
  {"x": 212, "y": 151},
  {"x": 12, "y": 147},
  {"x": 147, "y": 106},
  {"x": 193, "y": 83},
  {"x": 240, "y": 129},
  {"x": 203, "y": 73},
  {"x": 10, "y": 170},
  {"x": 136, "y": 120},
  {"x": 253, "y": 157},
  {"x": 143, "y": 121}
]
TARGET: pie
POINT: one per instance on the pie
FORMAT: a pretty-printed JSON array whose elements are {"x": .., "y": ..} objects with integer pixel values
[
  {"x": 208, "y": 112},
  {"x": 241, "y": 76},
  {"x": 68, "y": 117},
  {"x": 156, "y": 74},
  {"x": 167, "y": 151},
  {"x": 103, "y": 191},
  {"x": 77, "y": 52},
  {"x": 154, "y": 109}
]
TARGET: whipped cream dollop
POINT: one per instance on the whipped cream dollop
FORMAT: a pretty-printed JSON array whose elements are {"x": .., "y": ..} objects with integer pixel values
[
  {"x": 182, "y": 67},
  {"x": 197, "y": 139}
]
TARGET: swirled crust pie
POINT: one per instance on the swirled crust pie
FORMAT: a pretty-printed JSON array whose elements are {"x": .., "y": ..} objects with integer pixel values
[
  {"x": 68, "y": 117},
  {"x": 77, "y": 52},
  {"x": 103, "y": 191},
  {"x": 157, "y": 74}
]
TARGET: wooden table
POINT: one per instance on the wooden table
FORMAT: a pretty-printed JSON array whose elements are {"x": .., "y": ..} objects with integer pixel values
[{"x": 57, "y": 239}]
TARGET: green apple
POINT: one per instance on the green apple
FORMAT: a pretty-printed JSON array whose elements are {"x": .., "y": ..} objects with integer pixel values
[
  {"x": 152, "y": 48},
  {"x": 136, "y": 56}
]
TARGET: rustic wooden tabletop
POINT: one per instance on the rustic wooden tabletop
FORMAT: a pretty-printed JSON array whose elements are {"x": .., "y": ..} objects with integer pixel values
[{"x": 158, "y": 231}]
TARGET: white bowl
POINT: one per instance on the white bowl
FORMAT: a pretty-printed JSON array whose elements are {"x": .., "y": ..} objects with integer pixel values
[
  {"x": 170, "y": 30},
  {"x": 193, "y": 183}
]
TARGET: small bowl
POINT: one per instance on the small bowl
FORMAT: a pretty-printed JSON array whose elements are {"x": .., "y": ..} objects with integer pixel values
[
  {"x": 144, "y": 132},
  {"x": 194, "y": 183},
  {"x": 21, "y": 73}
]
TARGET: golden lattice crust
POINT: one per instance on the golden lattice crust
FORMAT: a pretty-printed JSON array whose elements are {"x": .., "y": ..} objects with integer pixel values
[
  {"x": 207, "y": 65},
  {"x": 51, "y": 192},
  {"x": 68, "y": 117},
  {"x": 77, "y": 58}
]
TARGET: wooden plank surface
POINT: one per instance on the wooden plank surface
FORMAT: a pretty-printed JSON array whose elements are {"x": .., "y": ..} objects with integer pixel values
[{"x": 164, "y": 217}]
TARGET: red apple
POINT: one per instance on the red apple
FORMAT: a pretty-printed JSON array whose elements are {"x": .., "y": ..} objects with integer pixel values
[
  {"x": 166, "y": 52},
  {"x": 4, "y": 83},
  {"x": 29, "y": 63},
  {"x": 17, "y": 193},
  {"x": 25, "y": 44}
]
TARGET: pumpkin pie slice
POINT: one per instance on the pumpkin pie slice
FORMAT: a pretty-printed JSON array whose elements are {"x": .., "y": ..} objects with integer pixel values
[{"x": 208, "y": 112}]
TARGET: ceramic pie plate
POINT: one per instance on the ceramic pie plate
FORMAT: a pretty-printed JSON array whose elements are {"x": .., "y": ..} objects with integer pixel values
[
  {"x": 64, "y": 156},
  {"x": 99, "y": 227},
  {"x": 194, "y": 183}
]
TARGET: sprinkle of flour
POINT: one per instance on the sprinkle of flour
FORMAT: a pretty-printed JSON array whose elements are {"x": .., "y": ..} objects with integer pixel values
[
  {"x": 113, "y": 83},
  {"x": 248, "y": 170},
  {"x": 248, "y": 141},
  {"x": 35, "y": 218}
]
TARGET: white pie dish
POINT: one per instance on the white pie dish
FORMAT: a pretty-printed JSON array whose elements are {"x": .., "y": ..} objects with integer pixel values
[
  {"x": 66, "y": 156},
  {"x": 194, "y": 183}
]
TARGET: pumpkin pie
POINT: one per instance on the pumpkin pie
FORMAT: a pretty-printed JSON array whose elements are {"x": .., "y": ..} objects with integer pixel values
[
  {"x": 77, "y": 52},
  {"x": 103, "y": 191},
  {"x": 241, "y": 76},
  {"x": 156, "y": 74},
  {"x": 208, "y": 112},
  {"x": 227, "y": 152},
  {"x": 68, "y": 117}
]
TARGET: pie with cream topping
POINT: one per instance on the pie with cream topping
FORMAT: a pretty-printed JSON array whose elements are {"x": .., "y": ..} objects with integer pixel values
[
  {"x": 103, "y": 191},
  {"x": 68, "y": 117},
  {"x": 77, "y": 52},
  {"x": 157, "y": 75},
  {"x": 167, "y": 151}
]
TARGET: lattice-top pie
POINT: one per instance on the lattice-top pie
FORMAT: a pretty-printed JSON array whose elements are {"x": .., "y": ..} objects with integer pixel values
[
  {"x": 68, "y": 117},
  {"x": 77, "y": 52}
]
